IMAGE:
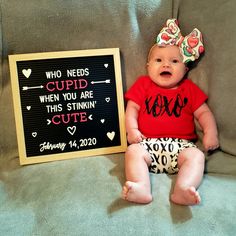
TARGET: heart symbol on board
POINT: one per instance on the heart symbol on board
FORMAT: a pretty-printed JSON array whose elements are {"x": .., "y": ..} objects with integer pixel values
[
  {"x": 102, "y": 121},
  {"x": 108, "y": 99},
  {"x": 71, "y": 129},
  {"x": 106, "y": 65},
  {"x": 26, "y": 72},
  {"x": 111, "y": 135},
  {"x": 34, "y": 134},
  {"x": 28, "y": 108}
]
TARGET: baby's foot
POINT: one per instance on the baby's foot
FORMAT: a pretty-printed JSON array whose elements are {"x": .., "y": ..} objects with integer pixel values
[
  {"x": 188, "y": 196},
  {"x": 136, "y": 192}
]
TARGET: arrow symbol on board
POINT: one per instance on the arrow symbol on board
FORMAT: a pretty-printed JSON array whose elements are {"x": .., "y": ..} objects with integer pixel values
[
  {"x": 101, "y": 82},
  {"x": 33, "y": 87},
  {"x": 48, "y": 122}
]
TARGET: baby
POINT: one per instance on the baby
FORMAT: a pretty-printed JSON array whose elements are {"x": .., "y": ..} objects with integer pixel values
[{"x": 160, "y": 116}]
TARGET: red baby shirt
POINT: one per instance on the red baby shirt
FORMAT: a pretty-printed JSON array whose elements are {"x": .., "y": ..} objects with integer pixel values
[{"x": 166, "y": 112}]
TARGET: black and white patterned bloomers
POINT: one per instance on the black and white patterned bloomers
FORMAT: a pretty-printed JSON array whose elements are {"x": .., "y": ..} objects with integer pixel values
[{"x": 164, "y": 153}]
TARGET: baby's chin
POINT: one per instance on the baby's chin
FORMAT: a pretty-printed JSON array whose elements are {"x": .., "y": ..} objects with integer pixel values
[{"x": 165, "y": 84}]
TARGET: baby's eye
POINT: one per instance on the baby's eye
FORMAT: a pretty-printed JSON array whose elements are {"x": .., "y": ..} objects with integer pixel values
[
  {"x": 158, "y": 60},
  {"x": 175, "y": 60}
]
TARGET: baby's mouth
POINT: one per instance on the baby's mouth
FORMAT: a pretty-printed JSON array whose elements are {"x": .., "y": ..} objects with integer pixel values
[{"x": 166, "y": 73}]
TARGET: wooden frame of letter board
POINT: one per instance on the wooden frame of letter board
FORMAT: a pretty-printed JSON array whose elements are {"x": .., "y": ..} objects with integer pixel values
[{"x": 13, "y": 59}]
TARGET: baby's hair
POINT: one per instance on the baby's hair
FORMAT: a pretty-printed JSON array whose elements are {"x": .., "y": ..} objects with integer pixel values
[{"x": 160, "y": 46}]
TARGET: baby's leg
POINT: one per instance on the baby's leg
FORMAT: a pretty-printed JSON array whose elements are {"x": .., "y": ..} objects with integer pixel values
[
  {"x": 137, "y": 187},
  {"x": 191, "y": 167}
]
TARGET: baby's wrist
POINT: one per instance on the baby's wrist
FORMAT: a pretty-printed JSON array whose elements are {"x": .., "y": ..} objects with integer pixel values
[{"x": 211, "y": 134}]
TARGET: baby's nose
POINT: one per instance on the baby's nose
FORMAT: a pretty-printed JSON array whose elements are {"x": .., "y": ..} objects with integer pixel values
[{"x": 166, "y": 64}]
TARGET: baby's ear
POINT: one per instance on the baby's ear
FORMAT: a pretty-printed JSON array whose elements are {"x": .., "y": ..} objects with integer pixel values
[{"x": 186, "y": 69}]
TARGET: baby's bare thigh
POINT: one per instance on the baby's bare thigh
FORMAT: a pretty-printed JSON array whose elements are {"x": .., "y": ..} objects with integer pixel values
[
  {"x": 191, "y": 154},
  {"x": 138, "y": 151}
]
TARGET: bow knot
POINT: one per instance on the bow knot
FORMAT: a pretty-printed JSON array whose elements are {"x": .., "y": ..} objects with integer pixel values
[{"x": 191, "y": 46}]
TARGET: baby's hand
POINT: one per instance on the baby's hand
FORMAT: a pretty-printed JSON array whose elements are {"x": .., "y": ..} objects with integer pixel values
[
  {"x": 134, "y": 136},
  {"x": 210, "y": 142}
]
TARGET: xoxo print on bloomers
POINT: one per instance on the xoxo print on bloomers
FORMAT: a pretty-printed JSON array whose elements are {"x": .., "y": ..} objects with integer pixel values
[{"x": 164, "y": 153}]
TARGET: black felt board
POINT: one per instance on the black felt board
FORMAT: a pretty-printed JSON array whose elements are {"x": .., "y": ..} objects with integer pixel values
[{"x": 68, "y": 104}]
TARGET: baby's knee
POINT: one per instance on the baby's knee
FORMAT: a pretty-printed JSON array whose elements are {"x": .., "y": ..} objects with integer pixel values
[
  {"x": 132, "y": 149},
  {"x": 136, "y": 150},
  {"x": 200, "y": 157}
]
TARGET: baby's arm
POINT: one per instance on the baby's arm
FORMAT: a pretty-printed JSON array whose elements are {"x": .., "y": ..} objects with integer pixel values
[
  {"x": 207, "y": 122},
  {"x": 131, "y": 122}
]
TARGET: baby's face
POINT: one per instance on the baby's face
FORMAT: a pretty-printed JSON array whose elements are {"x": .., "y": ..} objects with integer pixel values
[{"x": 165, "y": 66}]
